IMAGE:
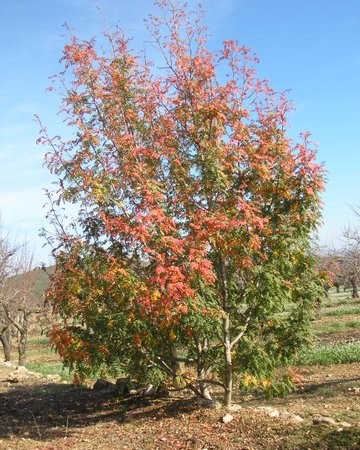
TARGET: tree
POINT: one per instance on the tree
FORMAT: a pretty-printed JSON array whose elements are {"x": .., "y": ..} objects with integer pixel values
[
  {"x": 18, "y": 297},
  {"x": 329, "y": 268},
  {"x": 6, "y": 253},
  {"x": 350, "y": 264},
  {"x": 189, "y": 258}
]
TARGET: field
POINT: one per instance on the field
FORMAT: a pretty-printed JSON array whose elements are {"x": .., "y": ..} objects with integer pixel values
[{"x": 47, "y": 412}]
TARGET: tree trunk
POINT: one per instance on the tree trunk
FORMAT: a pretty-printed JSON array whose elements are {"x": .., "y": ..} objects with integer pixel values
[
  {"x": 200, "y": 367},
  {"x": 228, "y": 363},
  {"x": 6, "y": 343},
  {"x": 228, "y": 381},
  {"x": 228, "y": 377},
  {"x": 354, "y": 293},
  {"x": 23, "y": 334},
  {"x": 176, "y": 367},
  {"x": 318, "y": 309}
]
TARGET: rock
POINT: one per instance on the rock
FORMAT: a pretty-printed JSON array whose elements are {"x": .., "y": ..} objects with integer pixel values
[
  {"x": 123, "y": 386},
  {"x": 248, "y": 397},
  {"x": 227, "y": 418},
  {"x": 235, "y": 407},
  {"x": 271, "y": 412},
  {"x": 344, "y": 424},
  {"x": 22, "y": 370},
  {"x": 105, "y": 387},
  {"x": 150, "y": 390},
  {"x": 296, "y": 418},
  {"x": 16, "y": 377},
  {"x": 324, "y": 420},
  {"x": 208, "y": 403},
  {"x": 8, "y": 364},
  {"x": 292, "y": 417}
]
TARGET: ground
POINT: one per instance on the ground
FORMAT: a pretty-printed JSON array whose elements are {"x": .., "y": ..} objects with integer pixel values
[
  {"x": 323, "y": 413},
  {"x": 40, "y": 414}
]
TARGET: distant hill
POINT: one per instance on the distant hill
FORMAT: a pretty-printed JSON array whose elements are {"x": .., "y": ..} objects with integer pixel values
[{"x": 39, "y": 279}]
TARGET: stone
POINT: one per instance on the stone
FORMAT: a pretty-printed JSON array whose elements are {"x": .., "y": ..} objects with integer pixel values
[
  {"x": 324, "y": 420},
  {"x": 22, "y": 370},
  {"x": 271, "y": 412},
  {"x": 344, "y": 424},
  {"x": 296, "y": 418},
  {"x": 227, "y": 418},
  {"x": 292, "y": 417},
  {"x": 8, "y": 364},
  {"x": 16, "y": 377},
  {"x": 150, "y": 390},
  {"x": 235, "y": 407},
  {"x": 105, "y": 387},
  {"x": 123, "y": 386},
  {"x": 208, "y": 403}
]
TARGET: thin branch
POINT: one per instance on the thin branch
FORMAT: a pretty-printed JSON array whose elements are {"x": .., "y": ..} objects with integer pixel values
[{"x": 243, "y": 331}]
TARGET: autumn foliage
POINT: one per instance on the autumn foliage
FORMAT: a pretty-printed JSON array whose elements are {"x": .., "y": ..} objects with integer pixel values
[{"x": 188, "y": 261}]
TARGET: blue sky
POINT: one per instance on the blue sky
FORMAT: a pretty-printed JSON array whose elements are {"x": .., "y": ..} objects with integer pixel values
[{"x": 311, "y": 47}]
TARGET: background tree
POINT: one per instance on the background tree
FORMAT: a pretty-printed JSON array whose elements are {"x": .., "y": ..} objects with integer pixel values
[
  {"x": 350, "y": 266},
  {"x": 6, "y": 253},
  {"x": 195, "y": 212},
  {"x": 329, "y": 269},
  {"x": 329, "y": 262},
  {"x": 19, "y": 297}
]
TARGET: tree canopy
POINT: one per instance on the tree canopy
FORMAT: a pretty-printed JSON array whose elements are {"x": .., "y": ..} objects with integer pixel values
[{"x": 189, "y": 259}]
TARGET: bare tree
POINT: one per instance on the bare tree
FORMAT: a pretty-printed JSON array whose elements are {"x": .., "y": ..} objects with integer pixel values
[
  {"x": 7, "y": 252},
  {"x": 18, "y": 297},
  {"x": 350, "y": 266}
]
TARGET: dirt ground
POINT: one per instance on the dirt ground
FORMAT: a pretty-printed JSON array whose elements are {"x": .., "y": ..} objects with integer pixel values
[{"x": 42, "y": 414}]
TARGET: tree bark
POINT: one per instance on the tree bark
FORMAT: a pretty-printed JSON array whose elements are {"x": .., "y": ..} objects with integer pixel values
[
  {"x": 228, "y": 377},
  {"x": 6, "y": 343},
  {"x": 228, "y": 381},
  {"x": 175, "y": 364},
  {"x": 23, "y": 334},
  {"x": 318, "y": 309},
  {"x": 354, "y": 293},
  {"x": 228, "y": 363},
  {"x": 200, "y": 367}
]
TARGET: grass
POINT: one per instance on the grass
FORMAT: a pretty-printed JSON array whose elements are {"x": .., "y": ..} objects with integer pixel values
[
  {"x": 337, "y": 312},
  {"x": 43, "y": 359},
  {"x": 322, "y": 438},
  {"x": 49, "y": 368},
  {"x": 38, "y": 341},
  {"x": 336, "y": 327},
  {"x": 333, "y": 302},
  {"x": 330, "y": 354}
]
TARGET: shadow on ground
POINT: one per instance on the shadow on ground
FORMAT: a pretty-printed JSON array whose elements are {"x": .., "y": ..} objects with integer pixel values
[
  {"x": 52, "y": 411},
  {"x": 325, "y": 438}
]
